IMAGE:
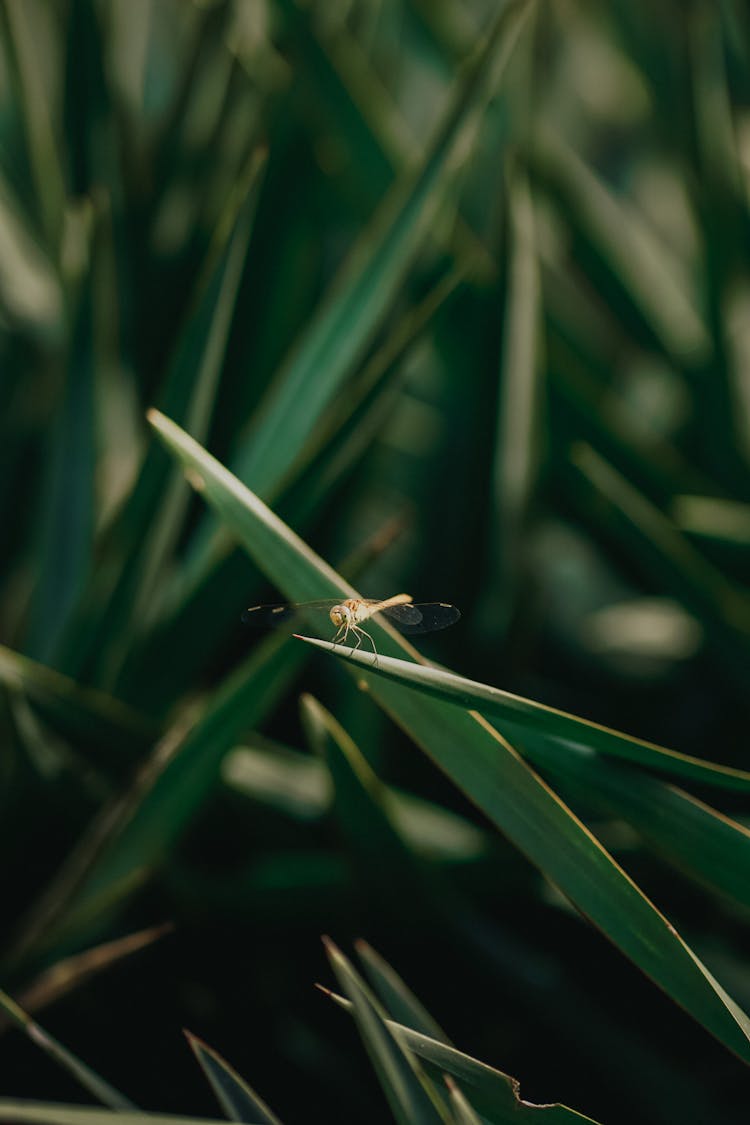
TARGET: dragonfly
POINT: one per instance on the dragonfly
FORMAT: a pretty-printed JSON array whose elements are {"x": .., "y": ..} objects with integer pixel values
[{"x": 349, "y": 615}]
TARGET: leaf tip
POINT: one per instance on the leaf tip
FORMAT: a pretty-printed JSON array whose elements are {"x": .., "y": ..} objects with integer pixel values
[{"x": 333, "y": 952}]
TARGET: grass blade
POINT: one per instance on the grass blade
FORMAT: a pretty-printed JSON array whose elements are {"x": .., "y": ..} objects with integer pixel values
[
  {"x": 45, "y": 1113},
  {"x": 711, "y": 517},
  {"x": 67, "y": 511},
  {"x": 495, "y": 1094},
  {"x": 369, "y": 280},
  {"x": 398, "y": 999},
  {"x": 40, "y": 140},
  {"x": 365, "y": 288},
  {"x": 363, "y": 808},
  {"x": 347, "y": 431},
  {"x": 636, "y": 265},
  {"x": 518, "y": 424},
  {"x": 140, "y": 545},
  {"x": 722, "y": 606},
  {"x": 199, "y": 361},
  {"x": 697, "y": 839},
  {"x": 132, "y": 835},
  {"x": 341, "y": 77},
  {"x": 408, "y": 1091},
  {"x": 236, "y": 1098},
  {"x": 81, "y": 714},
  {"x": 64, "y": 976},
  {"x": 89, "y": 1079},
  {"x": 30, "y": 290},
  {"x": 483, "y": 765},
  {"x": 300, "y": 785},
  {"x": 462, "y": 1111},
  {"x": 541, "y": 719}
]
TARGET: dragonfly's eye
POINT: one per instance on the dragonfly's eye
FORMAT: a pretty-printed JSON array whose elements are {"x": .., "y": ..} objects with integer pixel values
[{"x": 339, "y": 614}]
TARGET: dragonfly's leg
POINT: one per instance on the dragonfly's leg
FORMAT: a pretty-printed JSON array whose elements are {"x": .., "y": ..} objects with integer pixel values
[
  {"x": 337, "y": 635},
  {"x": 372, "y": 642}
]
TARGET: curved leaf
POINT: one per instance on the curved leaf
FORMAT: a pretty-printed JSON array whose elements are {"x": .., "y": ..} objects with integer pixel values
[
  {"x": 47, "y": 1113},
  {"x": 98, "y": 1087},
  {"x": 336, "y": 339},
  {"x": 409, "y": 1092},
  {"x": 481, "y": 763},
  {"x": 81, "y": 714},
  {"x": 497, "y": 1095},
  {"x": 237, "y": 1099},
  {"x": 541, "y": 719}
]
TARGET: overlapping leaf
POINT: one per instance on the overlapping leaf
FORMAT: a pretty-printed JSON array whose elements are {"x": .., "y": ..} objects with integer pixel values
[{"x": 482, "y": 764}]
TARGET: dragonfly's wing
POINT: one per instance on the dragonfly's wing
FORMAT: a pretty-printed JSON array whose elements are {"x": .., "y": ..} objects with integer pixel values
[
  {"x": 408, "y": 617},
  {"x": 422, "y": 617},
  {"x": 268, "y": 616}
]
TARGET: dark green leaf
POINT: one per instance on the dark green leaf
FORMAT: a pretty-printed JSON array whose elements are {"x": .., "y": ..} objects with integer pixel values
[{"x": 237, "y": 1099}]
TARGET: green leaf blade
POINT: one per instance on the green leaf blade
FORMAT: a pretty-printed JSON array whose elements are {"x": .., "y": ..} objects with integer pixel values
[
  {"x": 540, "y": 718},
  {"x": 237, "y": 1099},
  {"x": 484, "y": 767},
  {"x": 407, "y": 1091}
]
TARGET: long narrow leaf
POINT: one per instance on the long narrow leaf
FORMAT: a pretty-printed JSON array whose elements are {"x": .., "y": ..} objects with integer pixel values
[
  {"x": 30, "y": 291},
  {"x": 483, "y": 765},
  {"x": 47, "y": 1113},
  {"x": 702, "y": 842},
  {"x": 538, "y": 717},
  {"x": 81, "y": 714},
  {"x": 411, "y": 1100},
  {"x": 398, "y": 999},
  {"x": 66, "y": 975},
  {"x": 365, "y": 288},
  {"x": 138, "y": 547},
  {"x": 40, "y": 138},
  {"x": 300, "y": 785},
  {"x": 370, "y": 278},
  {"x": 722, "y": 605},
  {"x": 89, "y": 1079},
  {"x": 495, "y": 1094},
  {"x": 518, "y": 424},
  {"x": 462, "y": 1111},
  {"x": 363, "y": 808},
  {"x": 66, "y": 520},
  {"x": 350, "y": 426},
  {"x": 638, "y": 266},
  {"x": 237, "y": 1099},
  {"x": 133, "y": 834}
]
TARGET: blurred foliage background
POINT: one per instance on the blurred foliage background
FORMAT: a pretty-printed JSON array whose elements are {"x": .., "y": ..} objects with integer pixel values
[{"x": 519, "y": 383}]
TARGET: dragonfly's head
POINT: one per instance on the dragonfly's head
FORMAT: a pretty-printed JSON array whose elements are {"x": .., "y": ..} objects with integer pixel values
[{"x": 340, "y": 615}]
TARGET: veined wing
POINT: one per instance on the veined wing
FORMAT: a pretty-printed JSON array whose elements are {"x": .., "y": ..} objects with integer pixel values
[
  {"x": 408, "y": 617},
  {"x": 422, "y": 617},
  {"x": 281, "y": 613},
  {"x": 270, "y": 616}
]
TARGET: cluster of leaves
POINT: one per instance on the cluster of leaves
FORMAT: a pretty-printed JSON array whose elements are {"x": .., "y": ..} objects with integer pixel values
[{"x": 501, "y": 361}]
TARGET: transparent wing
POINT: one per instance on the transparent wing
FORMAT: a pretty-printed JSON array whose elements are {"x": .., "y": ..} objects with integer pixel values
[
  {"x": 270, "y": 616},
  {"x": 408, "y": 617},
  {"x": 422, "y": 617}
]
